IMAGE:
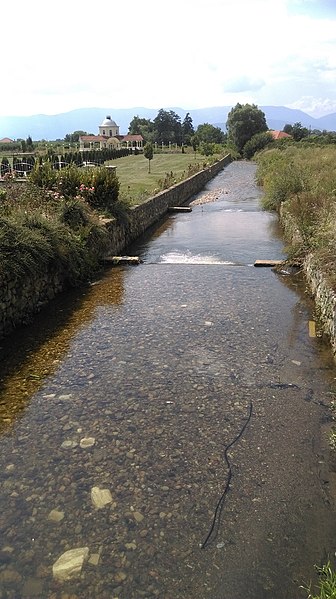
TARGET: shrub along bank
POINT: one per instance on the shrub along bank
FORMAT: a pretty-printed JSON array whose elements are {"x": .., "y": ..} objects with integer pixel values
[{"x": 300, "y": 183}]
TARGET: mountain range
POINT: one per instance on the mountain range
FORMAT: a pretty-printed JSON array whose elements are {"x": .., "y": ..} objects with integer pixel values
[{"x": 51, "y": 127}]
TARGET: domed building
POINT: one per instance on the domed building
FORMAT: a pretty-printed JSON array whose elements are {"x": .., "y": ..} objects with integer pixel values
[
  {"x": 109, "y": 137},
  {"x": 109, "y": 128}
]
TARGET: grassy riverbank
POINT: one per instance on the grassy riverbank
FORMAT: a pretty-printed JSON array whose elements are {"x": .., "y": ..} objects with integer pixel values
[
  {"x": 137, "y": 184},
  {"x": 301, "y": 181}
]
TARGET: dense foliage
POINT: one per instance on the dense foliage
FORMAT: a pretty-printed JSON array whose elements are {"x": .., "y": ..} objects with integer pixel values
[
  {"x": 167, "y": 128},
  {"x": 98, "y": 186},
  {"x": 303, "y": 181},
  {"x": 37, "y": 233},
  {"x": 243, "y": 122},
  {"x": 258, "y": 142}
]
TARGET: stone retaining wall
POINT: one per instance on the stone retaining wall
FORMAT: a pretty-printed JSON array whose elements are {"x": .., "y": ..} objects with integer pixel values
[
  {"x": 324, "y": 297},
  {"x": 22, "y": 297}
]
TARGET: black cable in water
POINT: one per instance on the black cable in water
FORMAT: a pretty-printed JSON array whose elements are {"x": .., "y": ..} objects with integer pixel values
[{"x": 217, "y": 513}]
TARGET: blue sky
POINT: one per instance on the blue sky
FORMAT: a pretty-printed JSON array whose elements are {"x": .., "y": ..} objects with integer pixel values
[{"x": 68, "y": 54}]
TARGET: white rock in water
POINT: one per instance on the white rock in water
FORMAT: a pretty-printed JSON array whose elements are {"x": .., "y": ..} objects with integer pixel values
[
  {"x": 100, "y": 497},
  {"x": 69, "y": 564},
  {"x": 87, "y": 442}
]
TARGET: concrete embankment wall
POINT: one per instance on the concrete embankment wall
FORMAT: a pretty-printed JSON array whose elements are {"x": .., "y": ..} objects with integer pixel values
[{"x": 21, "y": 297}]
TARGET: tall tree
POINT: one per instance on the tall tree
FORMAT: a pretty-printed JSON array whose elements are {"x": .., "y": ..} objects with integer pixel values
[
  {"x": 167, "y": 127},
  {"x": 297, "y": 131},
  {"x": 207, "y": 133},
  {"x": 142, "y": 126},
  {"x": 29, "y": 144},
  {"x": 74, "y": 137},
  {"x": 244, "y": 121},
  {"x": 187, "y": 129}
]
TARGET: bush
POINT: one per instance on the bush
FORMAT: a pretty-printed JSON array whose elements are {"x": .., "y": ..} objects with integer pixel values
[
  {"x": 256, "y": 143},
  {"x": 280, "y": 176},
  {"x": 74, "y": 213},
  {"x": 43, "y": 175},
  {"x": 105, "y": 189}
]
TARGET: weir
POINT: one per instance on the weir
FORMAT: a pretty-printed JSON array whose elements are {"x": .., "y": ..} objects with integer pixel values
[{"x": 164, "y": 433}]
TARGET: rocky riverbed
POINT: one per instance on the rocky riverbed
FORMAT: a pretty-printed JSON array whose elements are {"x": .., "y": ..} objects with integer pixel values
[{"x": 117, "y": 421}]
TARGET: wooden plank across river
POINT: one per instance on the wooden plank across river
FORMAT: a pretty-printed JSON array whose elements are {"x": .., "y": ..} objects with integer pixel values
[
  {"x": 268, "y": 262},
  {"x": 118, "y": 260}
]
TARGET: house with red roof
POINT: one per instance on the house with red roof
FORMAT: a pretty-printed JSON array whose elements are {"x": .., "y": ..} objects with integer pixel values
[{"x": 279, "y": 134}]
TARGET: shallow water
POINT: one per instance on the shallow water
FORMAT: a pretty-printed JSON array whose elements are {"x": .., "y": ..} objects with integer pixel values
[{"x": 161, "y": 366}]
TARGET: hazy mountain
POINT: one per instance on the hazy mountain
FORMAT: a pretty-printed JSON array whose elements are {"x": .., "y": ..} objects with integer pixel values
[{"x": 49, "y": 127}]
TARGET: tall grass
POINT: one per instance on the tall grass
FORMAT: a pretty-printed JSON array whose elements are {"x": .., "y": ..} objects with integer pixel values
[
  {"x": 39, "y": 232},
  {"x": 302, "y": 182}
]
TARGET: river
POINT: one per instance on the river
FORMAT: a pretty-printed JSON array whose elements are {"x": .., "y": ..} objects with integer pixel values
[{"x": 171, "y": 421}]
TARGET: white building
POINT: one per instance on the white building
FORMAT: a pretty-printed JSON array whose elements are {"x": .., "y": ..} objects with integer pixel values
[{"x": 109, "y": 137}]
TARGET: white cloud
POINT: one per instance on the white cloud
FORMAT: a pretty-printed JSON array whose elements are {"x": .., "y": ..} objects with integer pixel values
[
  {"x": 188, "y": 54},
  {"x": 243, "y": 83},
  {"x": 315, "y": 106}
]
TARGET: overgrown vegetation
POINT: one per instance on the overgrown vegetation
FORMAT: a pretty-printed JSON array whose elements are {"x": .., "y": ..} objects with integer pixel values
[
  {"x": 53, "y": 222},
  {"x": 302, "y": 181}
]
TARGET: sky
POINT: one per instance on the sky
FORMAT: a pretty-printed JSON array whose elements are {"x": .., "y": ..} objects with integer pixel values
[{"x": 62, "y": 55}]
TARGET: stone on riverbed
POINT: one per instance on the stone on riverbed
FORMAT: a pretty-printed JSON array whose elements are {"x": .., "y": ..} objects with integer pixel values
[
  {"x": 87, "y": 442},
  {"x": 69, "y": 564},
  {"x": 100, "y": 497},
  {"x": 55, "y": 516}
]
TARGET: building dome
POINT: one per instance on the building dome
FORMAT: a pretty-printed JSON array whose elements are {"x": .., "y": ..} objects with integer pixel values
[{"x": 107, "y": 122}]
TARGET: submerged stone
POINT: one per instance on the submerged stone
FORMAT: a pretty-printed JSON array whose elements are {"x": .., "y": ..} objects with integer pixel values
[
  {"x": 69, "y": 564},
  {"x": 100, "y": 497},
  {"x": 87, "y": 442}
]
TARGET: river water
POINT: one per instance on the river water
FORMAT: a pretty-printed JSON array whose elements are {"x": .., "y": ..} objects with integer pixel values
[{"x": 188, "y": 390}]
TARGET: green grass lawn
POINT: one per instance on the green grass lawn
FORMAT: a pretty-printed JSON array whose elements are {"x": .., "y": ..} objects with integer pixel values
[{"x": 136, "y": 184}]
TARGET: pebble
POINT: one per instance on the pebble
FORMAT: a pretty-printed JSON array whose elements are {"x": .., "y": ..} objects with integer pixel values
[
  {"x": 87, "y": 442},
  {"x": 55, "y": 516},
  {"x": 69, "y": 444},
  {"x": 9, "y": 575},
  {"x": 138, "y": 517}
]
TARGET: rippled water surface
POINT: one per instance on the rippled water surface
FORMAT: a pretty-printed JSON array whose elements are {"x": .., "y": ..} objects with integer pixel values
[{"x": 157, "y": 386}]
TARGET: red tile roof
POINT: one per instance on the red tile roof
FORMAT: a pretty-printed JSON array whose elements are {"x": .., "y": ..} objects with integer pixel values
[
  {"x": 93, "y": 137},
  {"x": 279, "y": 134},
  {"x": 129, "y": 137}
]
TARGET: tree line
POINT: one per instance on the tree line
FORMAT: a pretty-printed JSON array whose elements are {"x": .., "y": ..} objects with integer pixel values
[{"x": 168, "y": 128}]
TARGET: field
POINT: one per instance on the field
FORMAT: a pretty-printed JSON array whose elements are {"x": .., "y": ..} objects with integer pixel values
[{"x": 136, "y": 184}]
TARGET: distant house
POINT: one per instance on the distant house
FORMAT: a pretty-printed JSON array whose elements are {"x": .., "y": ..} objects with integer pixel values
[
  {"x": 6, "y": 140},
  {"x": 109, "y": 138},
  {"x": 279, "y": 134}
]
